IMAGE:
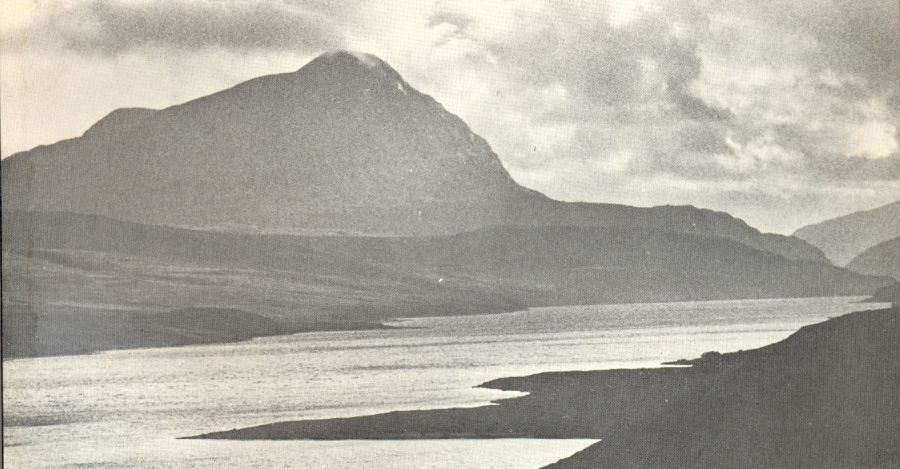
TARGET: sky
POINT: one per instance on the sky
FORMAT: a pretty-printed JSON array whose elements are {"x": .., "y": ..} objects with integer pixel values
[{"x": 782, "y": 113}]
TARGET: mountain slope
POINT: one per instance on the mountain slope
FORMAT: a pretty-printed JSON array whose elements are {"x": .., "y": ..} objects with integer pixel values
[
  {"x": 77, "y": 283},
  {"x": 343, "y": 145},
  {"x": 843, "y": 238},
  {"x": 881, "y": 259},
  {"x": 537, "y": 265},
  {"x": 66, "y": 275},
  {"x": 338, "y": 144},
  {"x": 585, "y": 265}
]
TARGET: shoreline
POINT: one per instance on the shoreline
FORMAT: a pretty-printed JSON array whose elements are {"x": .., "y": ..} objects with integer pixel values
[
  {"x": 823, "y": 394},
  {"x": 275, "y": 329},
  {"x": 263, "y": 327}
]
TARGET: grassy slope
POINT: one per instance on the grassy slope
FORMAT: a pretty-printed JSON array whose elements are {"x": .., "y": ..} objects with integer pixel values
[
  {"x": 78, "y": 301},
  {"x": 82, "y": 271}
]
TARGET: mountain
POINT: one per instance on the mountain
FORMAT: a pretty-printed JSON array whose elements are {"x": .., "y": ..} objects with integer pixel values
[
  {"x": 342, "y": 146},
  {"x": 881, "y": 259},
  {"x": 843, "y": 238},
  {"x": 77, "y": 283},
  {"x": 335, "y": 196}
]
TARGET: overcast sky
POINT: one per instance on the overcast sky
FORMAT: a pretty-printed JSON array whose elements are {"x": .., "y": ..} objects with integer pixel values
[{"x": 779, "y": 112}]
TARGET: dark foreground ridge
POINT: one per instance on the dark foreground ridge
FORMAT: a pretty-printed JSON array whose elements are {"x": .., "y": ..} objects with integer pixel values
[{"x": 824, "y": 397}]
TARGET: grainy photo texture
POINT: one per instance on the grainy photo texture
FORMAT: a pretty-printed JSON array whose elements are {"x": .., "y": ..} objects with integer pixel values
[{"x": 450, "y": 234}]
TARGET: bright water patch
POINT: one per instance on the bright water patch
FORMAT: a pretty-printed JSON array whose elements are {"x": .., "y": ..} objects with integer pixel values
[{"x": 125, "y": 408}]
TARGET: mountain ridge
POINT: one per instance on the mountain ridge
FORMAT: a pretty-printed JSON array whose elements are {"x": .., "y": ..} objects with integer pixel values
[
  {"x": 880, "y": 259},
  {"x": 531, "y": 265},
  {"x": 843, "y": 238},
  {"x": 338, "y": 146}
]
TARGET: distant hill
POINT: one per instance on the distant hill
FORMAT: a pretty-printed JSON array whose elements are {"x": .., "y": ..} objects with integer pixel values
[
  {"x": 843, "y": 238},
  {"x": 585, "y": 265},
  {"x": 66, "y": 275},
  {"x": 343, "y": 145},
  {"x": 881, "y": 259}
]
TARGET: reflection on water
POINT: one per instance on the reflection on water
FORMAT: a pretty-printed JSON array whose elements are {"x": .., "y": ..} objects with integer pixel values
[{"x": 125, "y": 408}]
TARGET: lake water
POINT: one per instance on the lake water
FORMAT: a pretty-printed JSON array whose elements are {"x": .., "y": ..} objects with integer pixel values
[{"x": 125, "y": 408}]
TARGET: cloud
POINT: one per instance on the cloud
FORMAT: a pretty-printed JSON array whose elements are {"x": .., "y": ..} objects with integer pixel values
[
  {"x": 831, "y": 167},
  {"x": 113, "y": 27},
  {"x": 695, "y": 97},
  {"x": 856, "y": 38},
  {"x": 735, "y": 105}
]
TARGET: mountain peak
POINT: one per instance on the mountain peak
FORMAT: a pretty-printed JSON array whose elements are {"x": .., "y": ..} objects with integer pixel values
[
  {"x": 362, "y": 58},
  {"x": 360, "y": 67},
  {"x": 341, "y": 145}
]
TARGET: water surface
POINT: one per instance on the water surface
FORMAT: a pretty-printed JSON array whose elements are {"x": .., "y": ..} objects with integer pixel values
[{"x": 125, "y": 408}]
